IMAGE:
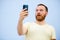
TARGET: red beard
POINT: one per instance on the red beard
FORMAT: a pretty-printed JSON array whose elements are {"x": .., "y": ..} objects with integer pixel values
[{"x": 40, "y": 17}]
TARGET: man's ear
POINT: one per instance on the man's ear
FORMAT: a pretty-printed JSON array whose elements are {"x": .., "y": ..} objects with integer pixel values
[{"x": 46, "y": 13}]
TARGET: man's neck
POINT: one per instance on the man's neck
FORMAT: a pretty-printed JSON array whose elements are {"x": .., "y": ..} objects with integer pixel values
[{"x": 40, "y": 22}]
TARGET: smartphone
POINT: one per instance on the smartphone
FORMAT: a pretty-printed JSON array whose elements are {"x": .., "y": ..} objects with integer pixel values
[{"x": 25, "y": 7}]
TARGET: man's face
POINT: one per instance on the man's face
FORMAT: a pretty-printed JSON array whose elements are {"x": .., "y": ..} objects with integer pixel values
[{"x": 40, "y": 13}]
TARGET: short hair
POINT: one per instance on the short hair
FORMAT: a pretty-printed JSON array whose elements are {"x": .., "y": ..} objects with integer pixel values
[{"x": 44, "y": 6}]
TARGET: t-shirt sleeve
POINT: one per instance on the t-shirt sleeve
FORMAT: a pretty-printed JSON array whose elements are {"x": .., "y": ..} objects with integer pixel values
[
  {"x": 26, "y": 24},
  {"x": 26, "y": 27},
  {"x": 53, "y": 36}
]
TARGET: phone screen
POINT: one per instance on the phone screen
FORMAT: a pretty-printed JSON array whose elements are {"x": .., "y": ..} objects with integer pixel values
[{"x": 25, "y": 7}]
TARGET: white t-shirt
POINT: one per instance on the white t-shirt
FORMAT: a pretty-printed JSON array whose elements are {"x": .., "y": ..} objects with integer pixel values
[{"x": 39, "y": 32}]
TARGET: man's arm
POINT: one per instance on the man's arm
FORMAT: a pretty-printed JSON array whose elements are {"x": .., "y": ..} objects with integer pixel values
[
  {"x": 21, "y": 29},
  {"x": 53, "y": 36}
]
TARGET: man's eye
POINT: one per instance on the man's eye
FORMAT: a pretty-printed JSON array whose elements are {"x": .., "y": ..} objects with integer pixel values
[
  {"x": 41, "y": 10},
  {"x": 36, "y": 10}
]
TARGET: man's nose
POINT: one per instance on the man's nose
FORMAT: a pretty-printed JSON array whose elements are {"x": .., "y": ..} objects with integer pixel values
[{"x": 38, "y": 12}]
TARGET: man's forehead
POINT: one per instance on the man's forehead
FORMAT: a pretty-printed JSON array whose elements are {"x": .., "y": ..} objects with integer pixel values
[{"x": 40, "y": 7}]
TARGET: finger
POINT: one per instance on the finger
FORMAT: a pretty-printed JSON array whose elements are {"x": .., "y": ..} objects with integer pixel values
[
  {"x": 24, "y": 9},
  {"x": 25, "y": 14}
]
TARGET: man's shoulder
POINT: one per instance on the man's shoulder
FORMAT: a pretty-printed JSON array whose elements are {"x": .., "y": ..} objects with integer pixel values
[{"x": 50, "y": 26}]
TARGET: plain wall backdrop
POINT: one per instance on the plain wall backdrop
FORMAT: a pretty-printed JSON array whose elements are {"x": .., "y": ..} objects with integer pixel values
[{"x": 9, "y": 15}]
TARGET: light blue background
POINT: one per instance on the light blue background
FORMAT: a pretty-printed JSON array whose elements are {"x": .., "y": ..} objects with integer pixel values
[{"x": 9, "y": 15}]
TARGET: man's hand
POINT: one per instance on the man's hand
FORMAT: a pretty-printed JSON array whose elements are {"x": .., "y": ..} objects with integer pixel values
[
  {"x": 53, "y": 39},
  {"x": 23, "y": 14}
]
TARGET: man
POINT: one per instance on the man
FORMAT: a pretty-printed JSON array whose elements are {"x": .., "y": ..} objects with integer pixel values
[{"x": 38, "y": 30}]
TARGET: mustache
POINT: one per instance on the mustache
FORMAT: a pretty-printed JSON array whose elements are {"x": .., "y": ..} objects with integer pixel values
[{"x": 38, "y": 15}]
